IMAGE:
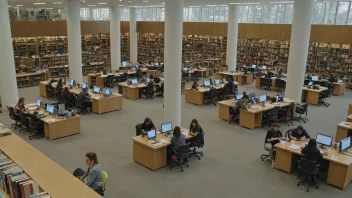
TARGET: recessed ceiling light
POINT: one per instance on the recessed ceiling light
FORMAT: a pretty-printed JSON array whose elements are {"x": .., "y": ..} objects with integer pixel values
[
  {"x": 129, "y": 1},
  {"x": 283, "y": 2},
  {"x": 120, "y": 0},
  {"x": 145, "y": 1},
  {"x": 102, "y": 3},
  {"x": 49, "y": 8},
  {"x": 92, "y": 5},
  {"x": 163, "y": 3},
  {"x": 57, "y": 2},
  {"x": 120, "y": 5},
  {"x": 19, "y": 5},
  {"x": 194, "y": 6},
  {"x": 244, "y": 3},
  {"x": 39, "y": 3}
]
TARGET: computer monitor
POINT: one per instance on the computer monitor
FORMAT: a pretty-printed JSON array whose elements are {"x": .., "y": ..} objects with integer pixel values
[
  {"x": 134, "y": 81},
  {"x": 310, "y": 83},
  {"x": 285, "y": 75},
  {"x": 315, "y": 78},
  {"x": 281, "y": 97},
  {"x": 263, "y": 67},
  {"x": 156, "y": 64},
  {"x": 147, "y": 80},
  {"x": 62, "y": 108},
  {"x": 185, "y": 68},
  {"x": 323, "y": 139},
  {"x": 166, "y": 127},
  {"x": 39, "y": 103},
  {"x": 108, "y": 92},
  {"x": 96, "y": 89},
  {"x": 262, "y": 98},
  {"x": 50, "y": 108},
  {"x": 124, "y": 64},
  {"x": 217, "y": 82},
  {"x": 345, "y": 144},
  {"x": 254, "y": 66},
  {"x": 206, "y": 83},
  {"x": 151, "y": 134},
  {"x": 84, "y": 85},
  {"x": 72, "y": 83},
  {"x": 243, "y": 69},
  {"x": 239, "y": 96}
]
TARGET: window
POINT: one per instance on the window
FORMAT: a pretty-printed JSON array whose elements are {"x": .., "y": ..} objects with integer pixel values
[
  {"x": 226, "y": 14},
  {"x": 273, "y": 14},
  {"x": 349, "y": 18},
  {"x": 258, "y": 14},
  {"x": 288, "y": 14},
  {"x": 266, "y": 13},
  {"x": 211, "y": 15},
  {"x": 251, "y": 11},
  {"x": 342, "y": 12},
  {"x": 330, "y": 12},
  {"x": 319, "y": 10},
  {"x": 281, "y": 13},
  {"x": 125, "y": 14},
  {"x": 216, "y": 14},
  {"x": 244, "y": 18},
  {"x": 101, "y": 14},
  {"x": 84, "y": 12}
]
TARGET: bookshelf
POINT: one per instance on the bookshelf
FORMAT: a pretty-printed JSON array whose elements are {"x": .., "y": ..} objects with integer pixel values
[
  {"x": 150, "y": 47},
  {"x": 29, "y": 79},
  {"x": 44, "y": 172}
]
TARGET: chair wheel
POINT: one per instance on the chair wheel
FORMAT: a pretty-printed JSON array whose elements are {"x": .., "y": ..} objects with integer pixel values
[
  {"x": 201, "y": 154},
  {"x": 170, "y": 168},
  {"x": 317, "y": 187},
  {"x": 307, "y": 190},
  {"x": 198, "y": 158},
  {"x": 187, "y": 166},
  {"x": 297, "y": 184},
  {"x": 181, "y": 170}
]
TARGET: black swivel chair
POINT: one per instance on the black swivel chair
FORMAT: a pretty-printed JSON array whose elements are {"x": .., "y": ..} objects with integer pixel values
[
  {"x": 122, "y": 78},
  {"x": 199, "y": 143},
  {"x": 81, "y": 107},
  {"x": 265, "y": 156},
  {"x": 160, "y": 91},
  {"x": 149, "y": 91},
  {"x": 24, "y": 123},
  {"x": 280, "y": 84},
  {"x": 288, "y": 112},
  {"x": 139, "y": 129},
  {"x": 196, "y": 75},
  {"x": 210, "y": 98},
  {"x": 270, "y": 117},
  {"x": 307, "y": 173},
  {"x": 185, "y": 76},
  {"x": 227, "y": 93},
  {"x": 288, "y": 133},
  {"x": 110, "y": 80},
  {"x": 14, "y": 116},
  {"x": 36, "y": 126},
  {"x": 267, "y": 83},
  {"x": 235, "y": 114},
  {"x": 181, "y": 153},
  {"x": 302, "y": 109}
]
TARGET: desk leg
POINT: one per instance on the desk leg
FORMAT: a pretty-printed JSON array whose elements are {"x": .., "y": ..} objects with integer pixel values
[
  {"x": 313, "y": 97},
  {"x": 283, "y": 160},
  {"x": 257, "y": 82},
  {"x": 148, "y": 157},
  {"x": 341, "y": 133},
  {"x": 250, "y": 120},
  {"x": 339, "y": 175},
  {"x": 224, "y": 112},
  {"x": 100, "y": 82},
  {"x": 240, "y": 80}
]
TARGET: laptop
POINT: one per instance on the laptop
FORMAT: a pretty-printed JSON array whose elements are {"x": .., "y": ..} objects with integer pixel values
[{"x": 151, "y": 134}]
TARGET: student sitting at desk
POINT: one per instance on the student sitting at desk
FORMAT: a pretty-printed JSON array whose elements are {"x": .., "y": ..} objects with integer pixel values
[
  {"x": 311, "y": 152},
  {"x": 65, "y": 95},
  {"x": 142, "y": 80},
  {"x": 147, "y": 125},
  {"x": 20, "y": 105},
  {"x": 241, "y": 103},
  {"x": 82, "y": 98},
  {"x": 177, "y": 140},
  {"x": 299, "y": 133},
  {"x": 59, "y": 84},
  {"x": 156, "y": 79},
  {"x": 195, "y": 130},
  {"x": 93, "y": 176},
  {"x": 195, "y": 86},
  {"x": 273, "y": 136}
]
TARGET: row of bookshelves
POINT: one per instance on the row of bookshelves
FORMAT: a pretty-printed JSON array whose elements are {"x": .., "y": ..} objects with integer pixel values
[{"x": 30, "y": 79}]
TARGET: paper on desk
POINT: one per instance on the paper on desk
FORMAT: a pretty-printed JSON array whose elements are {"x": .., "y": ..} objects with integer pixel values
[
  {"x": 50, "y": 120},
  {"x": 164, "y": 141},
  {"x": 185, "y": 133},
  {"x": 158, "y": 144},
  {"x": 32, "y": 105},
  {"x": 294, "y": 147}
]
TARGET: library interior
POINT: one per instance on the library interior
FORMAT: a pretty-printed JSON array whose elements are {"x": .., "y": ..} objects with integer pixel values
[{"x": 139, "y": 98}]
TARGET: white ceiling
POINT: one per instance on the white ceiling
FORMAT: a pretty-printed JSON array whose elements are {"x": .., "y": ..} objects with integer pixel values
[{"x": 126, "y": 3}]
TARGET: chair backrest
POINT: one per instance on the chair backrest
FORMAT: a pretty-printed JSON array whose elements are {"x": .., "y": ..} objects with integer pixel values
[
  {"x": 307, "y": 165},
  {"x": 288, "y": 133},
  {"x": 23, "y": 118},
  {"x": 183, "y": 151},
  {"x": 104, "y": 177},
  {"x": 139, "y": 129},
  {"x": 150, "y": 87},
  {"x": 305, "y": 107},
  {"x": 212, "y": 93},
  {"x": 11, "y": 112},
  {"x": 110, "y": 78},
  {"x": 274, "y": 113}
]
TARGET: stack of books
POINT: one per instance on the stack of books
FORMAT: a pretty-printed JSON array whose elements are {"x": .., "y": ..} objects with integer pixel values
[{"x": 16, "y": 183}]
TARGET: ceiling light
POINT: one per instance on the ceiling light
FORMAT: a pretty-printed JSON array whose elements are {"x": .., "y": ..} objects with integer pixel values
[
  {"x": 211, "y": 5},
  {"x": 39, "y": 3},
  {"x": 244, "y": 3},
  {"x": 120, "y": 0},
  {"x": 49, "y": 8},
  {"x": 57, "y": 2},
  {"x": 283, "y": 2},
  {"x": 19, "y": 5},
  {"x": 120, "y": 5},
  {"x": 194, "y": 6},
  {"x": 145, "y": 1},
  {"x": 91, "y": 5},
  {"x": 163, "y": 3},
  {"x": 102, "y": 3},
  {"x": 129, "y": 1}
]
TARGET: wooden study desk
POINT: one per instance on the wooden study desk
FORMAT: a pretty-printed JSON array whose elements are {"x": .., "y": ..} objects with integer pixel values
[
  {"x": 97, "y": 80},
  {"x": 101, "y": 104},
  {"x": 340, "y": 169},
  {"x": 339, "y": 89},
  {"x": 349, "y": 109},
  {"x": 349, "y": 118},
  {"x": 312, "y": 95},
  {"x": 155, "y": 72},
  {"x": 131, "y": 91},
  {"x": 204, "y": 72},
  {"x": 223, "y": 75},
  {"x": 51, "y": 177},
  {"x": 259, "y": 82},
  {"x": 197, "y": 96},
  {"x": 152, "y": 157},
  {"x": 342, "y": 131},
  {"x": 57, "y": 128},
  {"x": 252, "y": 117},
  {"x": 245, "y": 79},
  {"x": 44, "y": 85}
]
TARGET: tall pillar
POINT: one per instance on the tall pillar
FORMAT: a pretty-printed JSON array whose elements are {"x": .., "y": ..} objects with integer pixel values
[
  {"x": 232, "y": 36},
  {"x": 115, "y": 37},
  {"x": 300, "y": 35},
  {"x": 74, "y": 40},
  {"x": 133, "y": 36},
  {"x": 173, "y": 60},
  {"x": 8, "y": 83}
]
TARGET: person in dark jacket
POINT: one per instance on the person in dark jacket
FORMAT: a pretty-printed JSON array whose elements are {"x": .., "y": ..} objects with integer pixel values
[{"x": 299, "y": 133}]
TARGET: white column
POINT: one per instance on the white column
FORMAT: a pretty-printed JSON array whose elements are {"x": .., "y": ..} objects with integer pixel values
[
  {"x": 115, "y": 37},
  {"x": 18, "y": 13},
  {"x": 300, "y": 35},
  {"x": 91, "y": 14},
  {"x": 232, "y": 36},
  {"x": 173, "y": 60},
  {"x": 74, "y": 40},
  {"x": 133, "y": 36},
  {"x": 8, "y": 83}
]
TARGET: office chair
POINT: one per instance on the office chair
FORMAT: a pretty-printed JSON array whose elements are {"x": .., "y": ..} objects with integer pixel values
[
  {"x": 110, "y": 80},
  {"x": 235, "y": 114},
  {"x": 288, "y": 112},
  {"x": 81, "y": 107},
  {"x": 122, "y": 78},
  {"x": 308, "y": 172},
  {"x": 280, "y": 84},
  {"x": 14, "y": 116},
  {"x": 288, "y": 133},
  {"x": 210, "y": 98},
  {"x": 232, "y": 88},
  {"x": 270, "y": 117},
  {"x": 302, "y": 109},
  {"x": 266, "y": 156},
  {"x": 149, "y": 91},
  {"x": 185, "y": 76},
  {"x": 181, "y": 153},
  {"x": 57, "y": 94},
  {"x": 267, "y": 83},
  {"x": 211, "y": 81},
  {"x": 226, "y": 92},
  {"x": 104, "y": 178},
  {"x": 199, "y": 143},
  {"x": 160, "y": 91},
  {"x": 24, "y": 123},
  {"x": 36, "y": 126},
  {"x": 325, "y": 94},
  {"x": 139, "y": 129},
  {"x": 196, "y": 75}
]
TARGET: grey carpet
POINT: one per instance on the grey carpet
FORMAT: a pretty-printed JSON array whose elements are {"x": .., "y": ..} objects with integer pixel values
[{"x": 231, "y": 166}]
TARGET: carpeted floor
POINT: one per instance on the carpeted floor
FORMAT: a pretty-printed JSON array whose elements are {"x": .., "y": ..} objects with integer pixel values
[{"x": 230, "y": 167}]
